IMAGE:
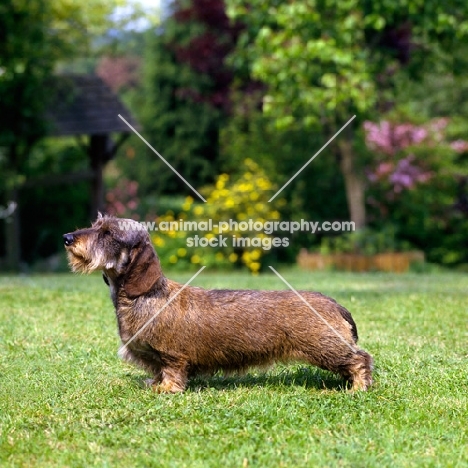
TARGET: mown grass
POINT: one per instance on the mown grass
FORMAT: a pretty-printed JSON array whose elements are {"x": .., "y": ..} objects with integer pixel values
[{"x": 66, "y": 399}]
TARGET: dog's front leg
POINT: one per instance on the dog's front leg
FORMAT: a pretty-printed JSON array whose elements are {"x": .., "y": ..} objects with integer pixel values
[{"x": 174, "y": 376}]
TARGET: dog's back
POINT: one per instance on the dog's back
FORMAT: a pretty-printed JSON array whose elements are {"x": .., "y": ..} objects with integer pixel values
[{"x": 232, "y": 330}]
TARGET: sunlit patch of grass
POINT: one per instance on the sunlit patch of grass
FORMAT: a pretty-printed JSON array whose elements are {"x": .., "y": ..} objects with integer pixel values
[{"x": 66, "y": 400}]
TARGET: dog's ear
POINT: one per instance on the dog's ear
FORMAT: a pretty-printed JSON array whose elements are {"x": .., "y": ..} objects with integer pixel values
[{"x": 143, "y": 272}]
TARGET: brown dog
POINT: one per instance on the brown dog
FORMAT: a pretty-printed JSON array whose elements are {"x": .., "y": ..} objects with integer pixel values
[{"x": 177, "y": 331}]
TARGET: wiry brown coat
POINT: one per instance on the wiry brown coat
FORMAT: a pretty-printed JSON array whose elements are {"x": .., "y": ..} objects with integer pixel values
[{"x": 203, "y": 331}]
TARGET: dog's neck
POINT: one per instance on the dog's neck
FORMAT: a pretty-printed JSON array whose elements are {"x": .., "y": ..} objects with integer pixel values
[
  {"x": 110, "y": 280},
  {"x": 139, "y": 275}
]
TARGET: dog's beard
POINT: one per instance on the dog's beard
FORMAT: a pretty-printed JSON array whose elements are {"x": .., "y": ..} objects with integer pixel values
[{"x": 81, "y": 262}]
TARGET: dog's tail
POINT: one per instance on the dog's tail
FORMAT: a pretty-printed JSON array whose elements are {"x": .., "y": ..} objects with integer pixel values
[{"x": 347, "y": 316}]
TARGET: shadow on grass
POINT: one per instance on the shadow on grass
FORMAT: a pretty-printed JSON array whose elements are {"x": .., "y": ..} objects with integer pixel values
[
  {"x": 291, "y": 377},
  {"x": 306, "y": 377}
]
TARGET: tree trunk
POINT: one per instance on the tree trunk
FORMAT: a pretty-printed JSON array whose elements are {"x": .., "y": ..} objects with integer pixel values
[{"x": 354, "y": 182}]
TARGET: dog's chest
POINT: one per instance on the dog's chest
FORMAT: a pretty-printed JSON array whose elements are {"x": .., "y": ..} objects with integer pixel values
[
  {"x": 139, "y": 351},
  {"x": 133, "y": 336},
  {"x": 126, "y": 322}
]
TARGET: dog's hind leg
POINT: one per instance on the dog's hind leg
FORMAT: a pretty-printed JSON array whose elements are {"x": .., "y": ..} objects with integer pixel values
[{"x": 358, "y": 370}]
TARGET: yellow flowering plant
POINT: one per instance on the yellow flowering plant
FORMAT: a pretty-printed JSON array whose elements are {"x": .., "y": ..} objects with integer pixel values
[{"x": 239, "y": 199}]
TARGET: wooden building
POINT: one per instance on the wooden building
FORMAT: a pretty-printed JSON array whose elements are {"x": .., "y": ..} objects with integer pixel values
[{"x": 84, "y": 107}]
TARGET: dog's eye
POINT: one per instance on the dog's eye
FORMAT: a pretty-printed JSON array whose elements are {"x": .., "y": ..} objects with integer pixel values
[{"x": 106, "y": 232}]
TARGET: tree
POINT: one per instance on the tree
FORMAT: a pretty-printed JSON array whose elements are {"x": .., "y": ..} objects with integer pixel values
[
  {"x": 186, "y": 94},
  {"x": 34, "y": 37},
  {"x": 326, "y": 60}
]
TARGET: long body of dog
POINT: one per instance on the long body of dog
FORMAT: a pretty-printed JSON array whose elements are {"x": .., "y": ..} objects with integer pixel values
[{"x": 177, "y": 331}]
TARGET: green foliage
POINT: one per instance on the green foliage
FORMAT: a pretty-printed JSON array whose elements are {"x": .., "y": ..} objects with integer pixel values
[
  {"x": 327, "y": 59},
  {"x": 184, "y": 103},
  {"x": 34, "y": 36},
  {"x": 67, "y": 400},
  {"x": 434, "y": 216},
  {"x": 428, "y": 217},
  {"x": 426, "y": 201},
  {"x": 316, "y": 194},
  {"x": 48, "y": 211},
  {"x": 322, "y": 62},
  {"x": 366, "y": 242},
  {"x": 184, "y": 132},
  {"x": 26, "y": 60}
]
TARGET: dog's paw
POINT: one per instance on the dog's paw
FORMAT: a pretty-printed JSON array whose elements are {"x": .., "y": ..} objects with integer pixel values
[{"x": 166, "y": 386}]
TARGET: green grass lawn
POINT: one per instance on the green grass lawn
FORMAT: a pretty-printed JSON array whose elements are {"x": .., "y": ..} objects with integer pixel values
[{"x": 67, "y": 400}]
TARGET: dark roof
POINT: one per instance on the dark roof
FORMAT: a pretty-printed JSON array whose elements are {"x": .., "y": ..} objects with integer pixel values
[{"x": 85, "y": 105}]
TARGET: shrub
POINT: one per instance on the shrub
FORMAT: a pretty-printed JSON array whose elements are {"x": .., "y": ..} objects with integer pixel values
[
  {"x": 418, "y": 183},
  {"x": 366, "y": 242},
  {"x": 239, "y": 198}
]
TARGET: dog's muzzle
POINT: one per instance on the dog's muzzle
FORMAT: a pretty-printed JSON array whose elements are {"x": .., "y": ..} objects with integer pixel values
[{"x": 68, "y": 239}]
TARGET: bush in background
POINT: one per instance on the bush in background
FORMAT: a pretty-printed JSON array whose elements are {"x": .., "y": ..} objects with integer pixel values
[{"x": 239, "y": 198}]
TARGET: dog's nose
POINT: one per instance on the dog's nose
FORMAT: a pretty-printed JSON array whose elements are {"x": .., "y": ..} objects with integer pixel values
[{"x": 68, "y": 239}]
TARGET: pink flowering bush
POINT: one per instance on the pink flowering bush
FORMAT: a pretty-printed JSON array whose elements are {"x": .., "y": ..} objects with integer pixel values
[
  {"x": 403, "y": 151},
  {"x": 415, "y": 182}
]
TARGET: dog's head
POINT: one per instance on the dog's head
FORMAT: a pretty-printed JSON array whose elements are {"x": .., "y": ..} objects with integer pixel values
[{"x": 121, "y": 248}]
